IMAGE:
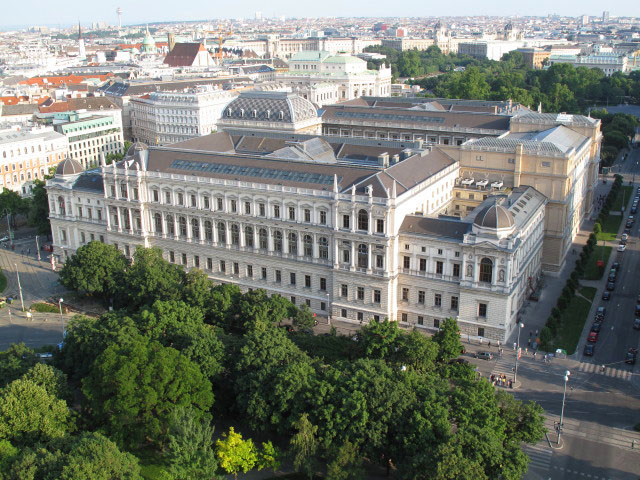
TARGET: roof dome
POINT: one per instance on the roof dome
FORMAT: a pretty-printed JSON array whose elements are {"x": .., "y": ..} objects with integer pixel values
[
  {"x": 494, "y": 217},
  {"x": 281, "y": 107},
  {"x": 69, "y": 166}
]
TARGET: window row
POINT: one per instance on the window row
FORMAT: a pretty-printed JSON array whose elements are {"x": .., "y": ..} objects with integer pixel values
[
  {"x": 376, "y": 294},
  {"x": 437, "y": 299}
]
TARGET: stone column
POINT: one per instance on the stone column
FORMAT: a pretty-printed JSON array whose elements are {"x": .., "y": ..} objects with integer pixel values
[
  {"x": 353, "y": 255},
  {"x": 241, "y": 231},
  {"x": 369, "y": 258},
  {"x": 200, "y": 230},
  {"x": 336, "y": 253}
]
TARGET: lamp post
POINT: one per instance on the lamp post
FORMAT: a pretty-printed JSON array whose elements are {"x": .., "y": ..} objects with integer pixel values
[
  {"x": 515, "y": 371},
  {"x": 19, "y": 287},
  {"x": 61, "y": 316},
  {"x": 8, "y": 214},
  {"x": 37, "y": 248},
  {"x": 564, "y": 396}
]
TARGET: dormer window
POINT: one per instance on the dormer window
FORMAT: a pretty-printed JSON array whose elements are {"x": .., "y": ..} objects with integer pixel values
[
  {"x": 268, "y": 113},
  {"x": 228, "y": 112},
  {"x": 280, "y": 115},
  {"x": 242, "y": 112},
  {"x": 254, "y": 113}
]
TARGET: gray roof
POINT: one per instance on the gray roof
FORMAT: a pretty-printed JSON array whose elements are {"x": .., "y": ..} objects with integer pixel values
[
  {"x": 90, "y": 181},
  {"x": 494, "y": 216},
  {"x": 20, "y": 109},
  {"x": 444, "y": 228},
  {"x": 553, "y": 118},
  {"x": 266, "y": 106},
  {"x": 121, "y": 89},
  {"x": 312, "y": 150}
]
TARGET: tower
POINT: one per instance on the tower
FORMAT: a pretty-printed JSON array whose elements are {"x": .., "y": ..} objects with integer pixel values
[
  {"x": 82, "y": 54},
  {"x": 119, "y": 13}
]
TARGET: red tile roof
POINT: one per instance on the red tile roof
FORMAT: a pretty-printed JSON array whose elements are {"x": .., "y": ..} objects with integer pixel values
[
  {"x": 183, "y": 54},
  {"x": 86, "y": 103},
  {"x": 63, "y": 79}
]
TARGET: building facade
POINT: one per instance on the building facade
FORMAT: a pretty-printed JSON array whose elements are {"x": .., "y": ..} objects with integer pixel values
[
  {"x": 27, "y": 154},
  {"x": 161, "y": 118}
]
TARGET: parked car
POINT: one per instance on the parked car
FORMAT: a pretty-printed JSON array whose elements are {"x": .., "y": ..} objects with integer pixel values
[
  {"x": 47, "y": 247},
  {"x": 601, "y": 312},
  {"x": 596, "y": 327},
  {"x": 484, "y": 355},
  {"x": 4, "y": 239},
  {"x": 592, "y": 337},
  {"x": 630, "y": 358},
  {"x": 611, "y": 278},
  {"x": 627, "y": 230},
  {"x": 625, "y": 236},
  {"x": 606, "y": 295},
  {"x": 636, "y": 324},
  {"x": 611, "y": 286},
  {"x": 637, "y": 310},
  {"x": 615, "y": 266},
  {"x": 622, "y": 247},
  {"x": 589, "y": 348},
  {"x": 629, "y": 224},
  {"x": 634, "y": 209}
]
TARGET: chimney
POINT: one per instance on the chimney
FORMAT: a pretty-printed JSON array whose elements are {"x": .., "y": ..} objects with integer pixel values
[
  {"x": 395, "y": 159},
  {"x": 383, "y": 160},
  {"x": 171, "y": 40},
  {"x": 406, "y": 153}
]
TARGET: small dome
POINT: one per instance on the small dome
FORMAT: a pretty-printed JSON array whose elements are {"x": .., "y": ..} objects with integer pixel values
[
  {"x": 69, "y": 166},
  {"x": 495, "y": 217}
]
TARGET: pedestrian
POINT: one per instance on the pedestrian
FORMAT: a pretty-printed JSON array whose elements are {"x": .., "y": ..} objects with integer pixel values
[
  {"x": 534, "y": 355},
  {"x": 529, "y": 343},
  {"x": 480, "y": 340},
  {"x": 510, "y": 383},
  {"x": 29, "y": 251},
  {"x": 530, "y": 333},
  {"x": 526, "y": 351},
  {"x": 514, "y": 345},
  {"x": 536, "y": 332},
  {"x": 489, "y": 344}
]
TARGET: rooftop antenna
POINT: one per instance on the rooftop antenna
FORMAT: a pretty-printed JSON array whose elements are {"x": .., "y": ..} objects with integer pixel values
[{"x": 119, "y": 14}]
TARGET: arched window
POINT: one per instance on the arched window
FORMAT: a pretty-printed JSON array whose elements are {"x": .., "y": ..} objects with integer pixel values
[
  {"x": 158, "y": 221},
  {"x": 235, "y": 235},
  {"x": 293, "y": 243},
  {"x": 277, "y": 240},
  {"x": 208, "y": 230},
  {"x": 195, "y": 228},
  {"x": 183, "y": 226},
  {"x": 308, "y": 245},
  {"x": 222, "y": 233},
  {"x": 263, "y": 239},
  {"x": 323, "y": 247},
  {"x": 363, "y": 220},
  {"x": 486, "y": 270},
  {"x": 362, "y": 255},
  {"x": 248, "y": 236},
  {"x": 171, "y": 227}
]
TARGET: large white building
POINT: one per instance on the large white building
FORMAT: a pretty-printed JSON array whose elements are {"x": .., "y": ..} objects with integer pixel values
[
  {"x": 27, "y": 154},
  {"x": 167, "y": 117},
  {"x": 356, "y": 237},
  {"x": 609, "y": 63},
  {"x": 325, "y": 79}
]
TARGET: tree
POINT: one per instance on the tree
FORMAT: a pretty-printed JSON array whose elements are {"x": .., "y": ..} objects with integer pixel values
[
  {"x": 379, "y": 339},
  {"x": 235, "y": 454},
  {"x": 448, "y": 340},
  {"x": 418, "y": 352},
  {"x": 189, "y": 447},
  {"x": 197, "y": 289},
  {"x": 268, "y": 457},
  {"x": 15, "y": 362},
  {"x": 96, "y": 269},
  {"x": 345, "y": 464},
  {"x": 134, "y": 386},
  {"x": 303, "y": 319},
  {"x": 29, "y": 414},
  {"x": 303, "y": 446},
  {"x": 39, "y": 209},
  {"x": 151, "y": 278},
  {"x": 51, "y": 379},
  {"x": 524, "y": 422},
  {"x": 8, "y": 454},
  {"x": 12, "y": 203}
]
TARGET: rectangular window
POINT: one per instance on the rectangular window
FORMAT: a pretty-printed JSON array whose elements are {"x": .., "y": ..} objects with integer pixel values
[
  {"x": 511, "y": 160},
  {"x": 379, "y": 226},
  {"x": 205, "y": 201},
  {"x": 261, "y": 209},
  {"x": 308, "y": 303},
  {"x": 436, "y": 323},
  {"x": 264, "y": 273},
  {"x": 234, "y": 206},
  {"x": 405, "y": 318},
  {"x": 360, "y": 316},
  {"x": 307, "y": 281},
  {"x": 423, "y": 264},
  {"x": 546, "y": 164},
  {"x": 439, "y": 268},
  {"x": 345, "y": 221},
  {"x": 293, "y": 300},
  {"x": 82, "y": 237},
  {"x": 219, "y": 203},
  {"x": 247, "y": 208},
  {"x": 323, "y": 284},
  {"x": 196, "y": 261},
  {"x": 454, "y": 303},
  {"x": 439, "y": 251},
  {"x": 343, "y": 313},
  {"x": 292, "y": 278},
  {"x": 276, "y": 211},
  {"x": 180, "y": 199},
  {"x": 377, "y": 295},
  {"x": 172, "y": 257},
  {"x": 323, "y": 217},
  {"x": 236, "y": 268},
  {"x": 184, "y": 258},
  {"x": 456, "y": 269},
  {"x": 101, "y": 238},
  {"x": 437, "y": 300},
  {"x": 482, "y": 310},
  {"x": 307, "y": 215},
  {"x": 405, "y": 294},
  {"x": 223, "y": 266},
  {"x": 360, "y": 293},
  {"x": 379, "y": 261},
  {"x": 481, "y": 331},
  {"x": 278, "y": 276},
  {"x": 344, "y": 290},
  {"x": 292, "y": 213},
  {"x": 194, "y": 202},
  {"x": 250, "y": 271},
  {"x": 209, "y": 263},
  {"x": 420, "y": 320},
  {"x": 421, "y": 296},
  {"x": 406, "y": 262}
]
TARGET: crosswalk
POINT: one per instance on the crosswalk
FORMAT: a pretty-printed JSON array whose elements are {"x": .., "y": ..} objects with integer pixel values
[
  {"x": 608, "y": 371},
  {"x": 539, "y": 456},
  {"x": 503, "y": 365}
]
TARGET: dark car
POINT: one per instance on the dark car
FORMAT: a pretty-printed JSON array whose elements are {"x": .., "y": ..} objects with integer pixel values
[
  {"x": 630, "y": 358},
  {"x": 601, "y": 312},
  {"x": 611, "y": 286},
  {"x": 47, "y": 247},
  {"x": 629, "y": 224},
  {"x": 606, "y": 295},
  {"x": 627, "y": 230},
  {"x": 589, "y": 348},
  {"x": 596, "y": 327},
  {"x": 637, "y": 310},
  {"x": 638, "y": 299},
  {"x": 636, "y": 324},
  {"x": 615, "y": 266},
  {"x": 634, "y": 209},
  {"x": 611, "y": 278},
  {"x": 484, "y": 355}
]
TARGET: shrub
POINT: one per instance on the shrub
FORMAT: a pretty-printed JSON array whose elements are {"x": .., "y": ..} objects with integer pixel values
[
  {"x": 44, "y": 308},
  {"x": 555, "y": 312},
  {"x": 545, "y": 336},
  {"x": 562, "y": 303},
  {"x": 574, "y": 276}
]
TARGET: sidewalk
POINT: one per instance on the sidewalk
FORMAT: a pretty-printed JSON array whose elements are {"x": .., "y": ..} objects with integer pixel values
[{"x": 534, "y": 314}]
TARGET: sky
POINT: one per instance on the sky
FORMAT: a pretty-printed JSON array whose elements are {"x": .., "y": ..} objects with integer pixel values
[{"x": 67, "y": 12}]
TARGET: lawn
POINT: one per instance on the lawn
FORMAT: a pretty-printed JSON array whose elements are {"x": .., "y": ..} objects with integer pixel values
[
  {"x": 573, "y": 319},
  {"x": 588, "y": 292},
  {"x": 3, "y": 281},
  {"x": 624, "y": 193},
  {"x": 591, "y": 270},
  {"x": 610, "y": 228}
]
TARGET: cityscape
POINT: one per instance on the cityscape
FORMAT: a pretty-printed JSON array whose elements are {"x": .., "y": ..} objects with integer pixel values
[{"x": 317, "y": 242}]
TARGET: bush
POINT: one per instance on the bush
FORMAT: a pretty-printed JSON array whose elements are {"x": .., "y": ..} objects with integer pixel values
[
  {"x": 555, "y": 312},
  {"x": 574, "y": 276},
  {"x": 562, "y": 303},
  {"x": 545, "y": 336},
  {"x": 44, "y": 308}
]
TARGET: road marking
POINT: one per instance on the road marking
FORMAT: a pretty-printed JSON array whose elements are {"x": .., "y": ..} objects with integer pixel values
[{"x": 608, "y": 371}]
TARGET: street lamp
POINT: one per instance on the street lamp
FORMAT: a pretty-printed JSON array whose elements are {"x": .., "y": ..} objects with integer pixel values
[
  {"x": 61, "y": 316},
  {"x": 19, "y": 287},
  {"x": 564, "y": 395},
  {"x": 515, "y": 371}
]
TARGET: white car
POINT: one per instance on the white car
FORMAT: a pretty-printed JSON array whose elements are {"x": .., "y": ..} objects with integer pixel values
[
  {"x": 622, "y": 248},
  {"x": 625, "y": 236},
  {"x": 4, "y": 239}
]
